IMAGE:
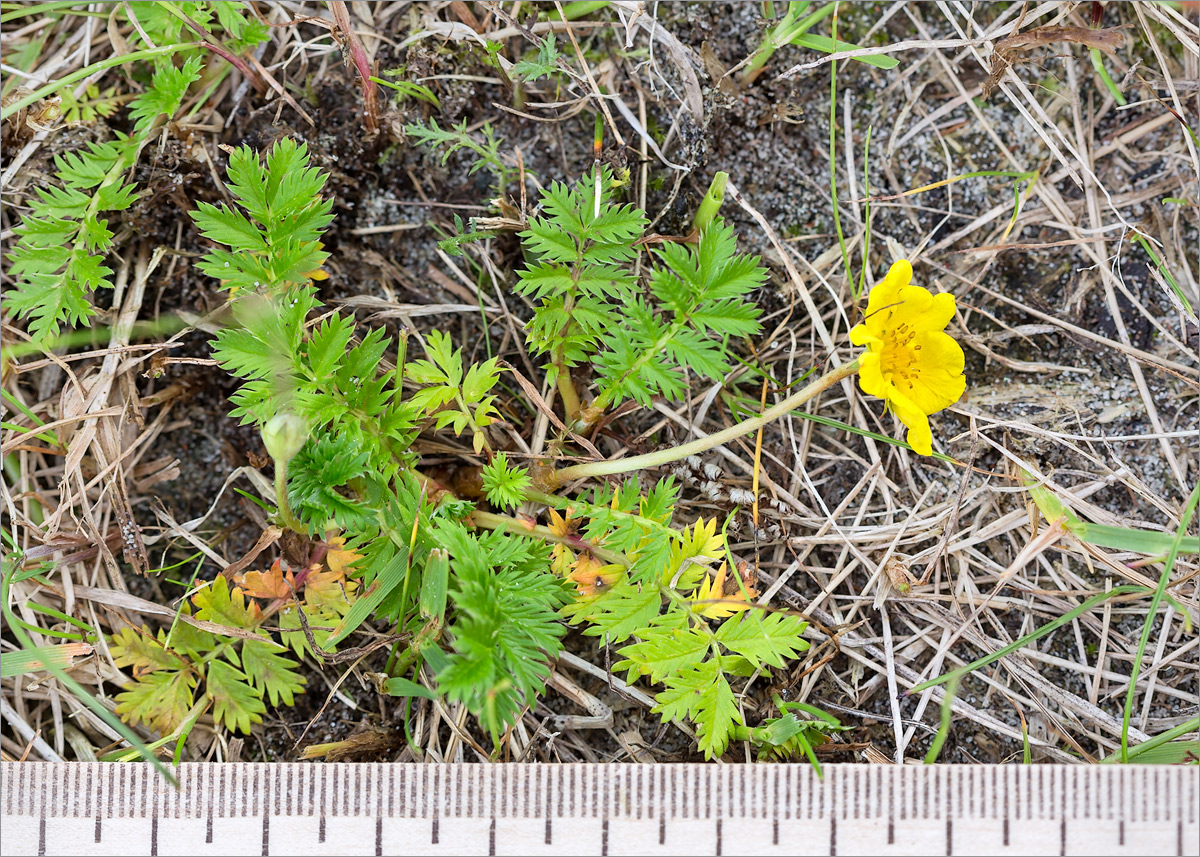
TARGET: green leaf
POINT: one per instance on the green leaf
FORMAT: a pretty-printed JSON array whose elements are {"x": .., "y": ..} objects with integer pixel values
[
  {"x": 218, "y": 603},
  {"x": 504, "y": 486},
  {"x": 618, "y": 613},
  {"x": 716, "y": 716},
  {"x": 167, "y": 90},
  {"x": 248, "y": 181},
  {"x": 661, "y": 653},
  {"x": 544, "y": 63},
  {"x": 1149, "y": 542},
  {"x": 826, "y": 45},
  {"x": 82, "y": 170},
  {"x": 228, "y": 227},
  {"x": 236, "y": 705},
  {"x": 270, "y": 672},
  {"x": 390, "y": 573},
  {"x": 160, "y": 700},
  {"x": 399, "y": 686},
  {"x": 680, "y": 699},
  {"x": 768, "y": 639}
]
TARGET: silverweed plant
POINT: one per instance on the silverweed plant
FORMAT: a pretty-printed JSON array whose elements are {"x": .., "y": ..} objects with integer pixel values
[
  {"x": 477, "y": 596},
  {"x": 59, "y": 258},
  {"x": 64, "y": 240}
]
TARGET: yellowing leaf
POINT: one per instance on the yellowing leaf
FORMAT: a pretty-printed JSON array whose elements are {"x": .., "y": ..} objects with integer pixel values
[
  {"x": 700, "y": 546},
  {"x": 592, "y": 577},
  {"x": 562, "y": 560},
  {"x": 270, "y": 672},
  {"x": 137, "y": 648},
  {"x": 712, "y": 601},
  {"x": 339, "y": 558},
  {"x": 236, "y": 705},
  {"x": 562, "y": 526},
  {"x": 328, "y": 590},
  {"x": 160, "y": 700}
]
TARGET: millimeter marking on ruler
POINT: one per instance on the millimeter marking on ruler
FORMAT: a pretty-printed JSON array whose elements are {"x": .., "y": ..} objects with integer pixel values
[{"x": 277, "y": 809}]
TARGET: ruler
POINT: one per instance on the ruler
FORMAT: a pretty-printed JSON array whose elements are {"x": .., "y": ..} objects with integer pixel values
[{"x": 385, "y": 809}]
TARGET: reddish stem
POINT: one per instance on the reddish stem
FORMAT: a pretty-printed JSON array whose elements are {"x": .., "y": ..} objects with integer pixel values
[{"x": 362, "y": 62}]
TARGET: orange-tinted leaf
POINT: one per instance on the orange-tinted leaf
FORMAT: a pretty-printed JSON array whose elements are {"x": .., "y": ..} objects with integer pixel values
[
  {"x": 592, "y": 577},
  {"x": 562, "y": 526},
  {"x": 267, "y": 584},
  {"x": 339, "y": 559}
]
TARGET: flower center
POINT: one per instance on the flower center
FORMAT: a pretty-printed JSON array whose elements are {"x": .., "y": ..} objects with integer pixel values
[{"x": 900, "y": 361}]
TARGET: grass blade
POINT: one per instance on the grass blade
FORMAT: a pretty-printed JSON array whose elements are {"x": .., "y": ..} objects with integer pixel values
[
  {"x": 1151, "y": 612},
  {"x": 24, "y": 661}
]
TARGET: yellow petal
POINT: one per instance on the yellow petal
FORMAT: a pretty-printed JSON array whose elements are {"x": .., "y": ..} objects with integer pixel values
[
  {"x": 909, "y": 361},
  {"x": 887, "y": 291},
  {"x": 938, "y": 313},
  {"x": 911, "y": 307},
  {"x": 870, "y": 376},
  {"x": 860, "y": 334},
  {"x": 920, "y": 436},
  {"x": 939, "y": 381}
]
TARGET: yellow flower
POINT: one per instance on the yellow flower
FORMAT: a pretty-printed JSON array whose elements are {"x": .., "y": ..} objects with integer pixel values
[{"x": 911, "y": 362}]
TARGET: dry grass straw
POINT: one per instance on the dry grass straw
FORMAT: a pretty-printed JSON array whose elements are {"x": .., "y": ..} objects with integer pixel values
[{"x": 957, "y": 526}]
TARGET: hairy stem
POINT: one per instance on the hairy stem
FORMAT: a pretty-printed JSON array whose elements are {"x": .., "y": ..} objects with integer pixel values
[
  {"x": 558, "y": 478},
  {"x": 286, "y": 516},
  {"x": 492, "y": 521},
  {"x": 566, "y": 389}
]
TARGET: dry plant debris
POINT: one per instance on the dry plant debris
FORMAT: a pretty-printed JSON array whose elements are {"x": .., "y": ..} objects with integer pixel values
[{"x": 1050, "y": 537}]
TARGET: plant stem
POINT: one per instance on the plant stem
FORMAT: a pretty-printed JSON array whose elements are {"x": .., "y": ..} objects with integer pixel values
[
  {"x": 286, "y": 516},
  {"x": 837, "y": 221},
  {"x": 1098, "y": 65},
  {"x": 558, "y": 478},
  {"x": 566, "y": 389},
  {"x": 562, "y": 380},
  {"x": 781, "y": 34},
  {"x": 492, "y": 521}
]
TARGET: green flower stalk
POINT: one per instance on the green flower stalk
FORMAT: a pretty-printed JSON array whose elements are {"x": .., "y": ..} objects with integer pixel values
[
  {"x": 283, "y": 436},
  {"x": 554, "y": 479}
]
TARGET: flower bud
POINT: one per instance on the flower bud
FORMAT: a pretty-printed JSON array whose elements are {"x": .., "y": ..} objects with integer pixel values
[{"x": 283, "y": 435}]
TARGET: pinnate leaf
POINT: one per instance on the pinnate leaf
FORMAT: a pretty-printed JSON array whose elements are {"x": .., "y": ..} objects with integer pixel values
[
  {"x": 764, "y": 639},
  {"x": 160, "y": 700},
  {"x": 236, "y": 705},
  {"x": 218, "y": 603}
]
